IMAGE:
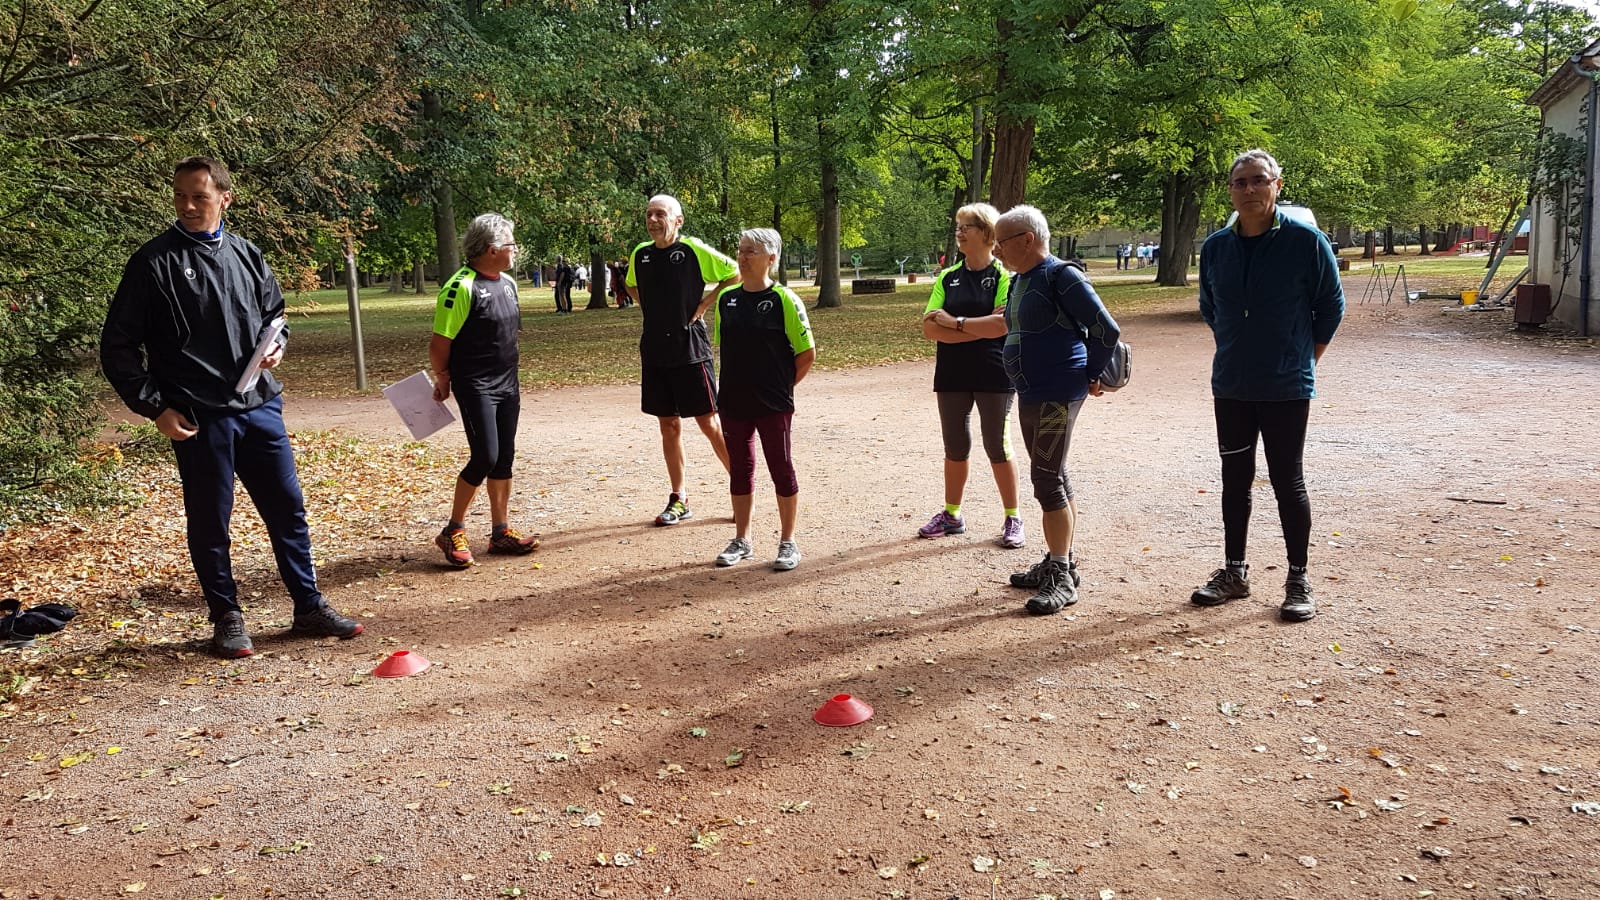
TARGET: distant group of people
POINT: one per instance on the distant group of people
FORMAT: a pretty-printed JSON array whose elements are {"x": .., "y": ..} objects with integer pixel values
[
  {"x": 1015, "y": 326},
  {"x": 566, "y": 275},
  {"x": 1137, "y": 256}
]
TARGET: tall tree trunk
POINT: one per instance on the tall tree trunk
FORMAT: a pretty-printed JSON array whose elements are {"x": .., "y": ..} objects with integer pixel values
[
  {"x": 828, "y": 291},
  {"x": 723, "y": 203},
  {"x": 444, "y": 204},
  {"x": 1449, "y": 236},
  {"x": 1013, "y": 144},
  {"x": 980, "y": 155},
  {"x": 419, "y": 279},
  {"x": 1343, "y": 236},
  {"x": 1180, "y": 219},
  {"x": 777, "y": 176},
  {"x": 597, "y": 275},
  {"x": 1369, "y": 245},
  {"x": 1388, "y": 241},
  {"x": 950, "y": 233},
  {"x": 1422, "y": 241},
  {"x": 396, "y": 284}
]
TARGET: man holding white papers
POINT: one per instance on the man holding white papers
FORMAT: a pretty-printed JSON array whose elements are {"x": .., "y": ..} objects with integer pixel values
[{"x": 193, "y": 305}]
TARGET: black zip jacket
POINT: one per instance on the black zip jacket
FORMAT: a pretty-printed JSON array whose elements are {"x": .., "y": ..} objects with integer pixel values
[{"x": 184, "y": 323}]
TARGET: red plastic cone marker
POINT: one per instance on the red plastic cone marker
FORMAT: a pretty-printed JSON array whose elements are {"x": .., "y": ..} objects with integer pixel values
[
  {"x": 842, "y": 709},
  {"x": 400, "y": 664}
]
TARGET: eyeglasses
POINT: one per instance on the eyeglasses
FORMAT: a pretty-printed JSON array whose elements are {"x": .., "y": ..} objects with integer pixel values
[
  {"x": 1002, "y": 241},
  {"x": 1257, "y": 181},
  {"x": 506, "y": 246}
]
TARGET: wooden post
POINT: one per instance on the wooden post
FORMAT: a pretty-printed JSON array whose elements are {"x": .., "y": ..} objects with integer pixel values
[{"x": 353, "y": 291}]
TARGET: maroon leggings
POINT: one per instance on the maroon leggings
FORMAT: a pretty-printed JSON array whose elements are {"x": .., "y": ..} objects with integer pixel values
[{"x": 740, "y": 436}]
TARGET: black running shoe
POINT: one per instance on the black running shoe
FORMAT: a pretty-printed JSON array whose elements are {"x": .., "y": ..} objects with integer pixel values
[
  {"x": 1297, "y": 603},
  {"x": 1223, "y": 585},
  {"x": 325, "y": 621}
]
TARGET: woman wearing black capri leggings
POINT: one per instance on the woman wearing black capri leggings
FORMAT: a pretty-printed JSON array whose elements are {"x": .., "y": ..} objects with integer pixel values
[
  {"x": 474, "y": 354},
  {"x": 964, "y": 315}
]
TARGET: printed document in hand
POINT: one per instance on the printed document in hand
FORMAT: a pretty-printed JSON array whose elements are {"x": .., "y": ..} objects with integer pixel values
[
  {"x": 269, "y": 338},
  {"x": 412, "y": 398}
]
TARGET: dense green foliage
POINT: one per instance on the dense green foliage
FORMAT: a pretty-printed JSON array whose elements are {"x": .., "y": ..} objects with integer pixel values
[{"x": 847, "y": 125}]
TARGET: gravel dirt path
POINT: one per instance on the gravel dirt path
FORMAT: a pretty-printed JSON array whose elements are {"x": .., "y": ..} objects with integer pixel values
[{"x": 614, "y": 717}]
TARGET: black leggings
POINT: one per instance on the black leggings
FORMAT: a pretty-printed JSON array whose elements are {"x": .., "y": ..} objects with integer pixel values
[
  {"x": 1282, "y": 428},
  {"x": 491, "y": 425}
]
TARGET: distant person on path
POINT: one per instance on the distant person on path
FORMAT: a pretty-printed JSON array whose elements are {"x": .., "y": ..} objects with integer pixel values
[
  {"x": 1059, "y": 338},
  {"x": 193, "y": 305},
  {"x": 581, "y": 276},
  {"x": 767, "y": 348},
  {"x": 1122, "y": 258},
  {"x": 562, "y": 282},
  {"x": 474, "y": 354},
  {"x": 1269, "y": 289},
  {"x": 668, "y": 275},
  {"x": 965, "y": 316}
]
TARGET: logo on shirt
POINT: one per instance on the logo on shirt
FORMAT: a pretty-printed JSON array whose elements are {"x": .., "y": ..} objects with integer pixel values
[
  {"x": 956, "y": 281},
  {"x": 733, "y": 302},
  {"x": 676, "y": 257},
  {"x": 764, "y": 306},
  {"x": 644, "y": 258},
  {"x": 987, "y": 282},
  {"x": 188, "y": 273}
]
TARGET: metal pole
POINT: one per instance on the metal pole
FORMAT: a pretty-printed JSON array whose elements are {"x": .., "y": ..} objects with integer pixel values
[{"x": 352, "y": 282}]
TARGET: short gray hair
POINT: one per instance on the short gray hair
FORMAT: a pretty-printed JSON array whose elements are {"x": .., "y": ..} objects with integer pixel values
[
  {"x": 769, "y": 241},
  {"x": 667, "y": 200},
  {"x": 1257, "y": 155},
  {"x": 1027, "y": 218},
  {"x": 484, "y": 232}
]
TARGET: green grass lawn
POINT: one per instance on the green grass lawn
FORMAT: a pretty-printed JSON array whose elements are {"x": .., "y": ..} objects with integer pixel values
[{"x": 601, "y": 346}]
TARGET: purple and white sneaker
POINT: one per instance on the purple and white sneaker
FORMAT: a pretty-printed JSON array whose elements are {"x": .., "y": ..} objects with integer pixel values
[
  {"x": 942, "y": 524},
  {"x": 1011, "y": 535}
]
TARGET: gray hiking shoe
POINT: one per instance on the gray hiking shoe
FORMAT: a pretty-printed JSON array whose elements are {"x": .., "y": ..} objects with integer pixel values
[
  {"x": 1055, "y": 590},
  {"x": 229, "y": 640},
  {"x": 1032, "y": 578},
  {"x": 788, "y": 556},
  {"x": 1223, "y": 585},
  {"x": 737, "y": 552}
]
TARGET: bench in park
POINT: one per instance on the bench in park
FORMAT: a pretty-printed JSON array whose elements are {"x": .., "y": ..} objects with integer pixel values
[{"x": 872, "y": 286}]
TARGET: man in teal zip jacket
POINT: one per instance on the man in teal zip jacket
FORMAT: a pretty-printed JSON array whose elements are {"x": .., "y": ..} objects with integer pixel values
[{"x": 1269, "y": 289}]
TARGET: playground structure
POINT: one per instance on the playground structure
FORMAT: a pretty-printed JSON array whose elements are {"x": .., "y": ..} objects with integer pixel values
[{"x": 1382, "y": 283}]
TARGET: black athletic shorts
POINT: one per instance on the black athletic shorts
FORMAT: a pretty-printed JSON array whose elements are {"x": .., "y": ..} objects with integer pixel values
[{"x": 683, "y": 391}]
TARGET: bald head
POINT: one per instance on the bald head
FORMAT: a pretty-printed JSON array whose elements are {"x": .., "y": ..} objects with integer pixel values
[{"x": 663, "y": 216}]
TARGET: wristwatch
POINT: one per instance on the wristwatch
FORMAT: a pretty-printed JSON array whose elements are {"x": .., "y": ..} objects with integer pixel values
[{"x": 961, "y": 323}]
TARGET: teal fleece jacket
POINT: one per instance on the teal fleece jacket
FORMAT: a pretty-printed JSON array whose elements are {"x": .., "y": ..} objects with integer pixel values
[{"x": 1269, "y": 301}]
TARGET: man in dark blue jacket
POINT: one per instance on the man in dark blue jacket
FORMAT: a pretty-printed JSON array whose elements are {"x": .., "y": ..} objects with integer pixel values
[
  {"x": 193, "y": 304},
  {"x": 1269, "y": 289},
  {"x": 1059, "y": 338}
]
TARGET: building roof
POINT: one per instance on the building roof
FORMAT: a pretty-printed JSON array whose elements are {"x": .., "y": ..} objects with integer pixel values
[{"x": 1566, "y": 79}]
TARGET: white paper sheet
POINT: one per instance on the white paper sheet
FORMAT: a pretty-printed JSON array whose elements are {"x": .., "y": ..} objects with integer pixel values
[
  {"x": 252, "y": 371},
  {"x": 412, "y": 398}
]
